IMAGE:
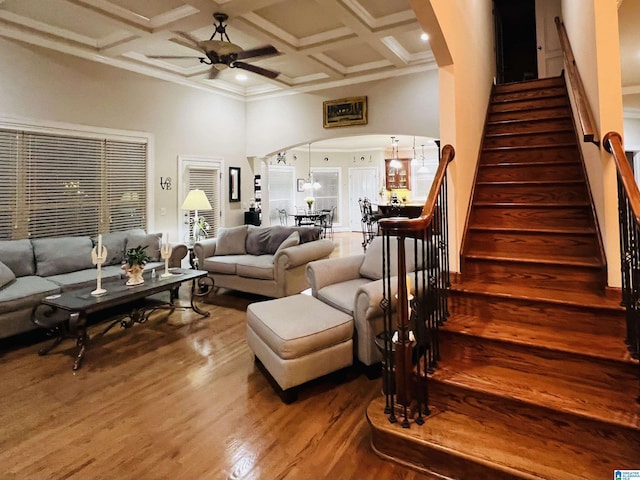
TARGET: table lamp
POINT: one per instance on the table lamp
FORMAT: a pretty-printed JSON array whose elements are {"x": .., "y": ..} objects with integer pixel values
[{"x": 196, "y": 200}]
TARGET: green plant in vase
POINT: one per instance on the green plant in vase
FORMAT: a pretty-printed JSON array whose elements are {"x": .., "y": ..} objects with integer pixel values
[{"x": 136, "y": 258}]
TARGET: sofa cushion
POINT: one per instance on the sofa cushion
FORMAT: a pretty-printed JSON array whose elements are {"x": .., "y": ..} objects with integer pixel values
[
  {"x": 6, "y": 275},
  {"x": 255, "y": 266},
  {"x": 342, "y": 295},
  {"x": 116, "y": 244},
  {"x": 224, "y": 264},
  {"x": 61, "y": 255},
  {"x": 231, "y": 241},
  {"x": 149, "y": 240},
  {"x": 18, "y": 256},
  {"x": 25, "y": 292},
  {"x": 291, "y": 241}
]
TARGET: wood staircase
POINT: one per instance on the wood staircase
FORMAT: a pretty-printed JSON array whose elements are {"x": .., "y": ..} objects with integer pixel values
[{"x": 534, "y": 381}]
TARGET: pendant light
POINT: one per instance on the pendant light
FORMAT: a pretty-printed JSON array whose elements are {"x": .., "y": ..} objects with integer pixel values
[
  {"x": 395, "y": 162},
  {"x": 309, "y": 184}
]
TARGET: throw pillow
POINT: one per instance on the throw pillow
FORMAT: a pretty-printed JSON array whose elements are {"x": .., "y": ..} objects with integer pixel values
[
  {"x": 257, "y": 240},
  {"x": 308, "y": 234},
  {"x": 18, "y": 256},
  {"x": 55, "y": 256},
  {"x": 291, "y": 241},
  {"x": 150, "y": 240},
  {"x": 278, "y": 234},
  {"x": 231, "y": 241},
  {"x": 6, "y": 275},
  {"x": 115, "y": 243}
]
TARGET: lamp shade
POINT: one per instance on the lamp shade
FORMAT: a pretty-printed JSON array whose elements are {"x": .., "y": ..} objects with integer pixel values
[{"x": 196, "y": 200}]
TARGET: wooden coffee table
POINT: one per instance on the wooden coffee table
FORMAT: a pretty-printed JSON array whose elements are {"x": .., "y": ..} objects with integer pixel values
[{"x": 65, "y": 314}]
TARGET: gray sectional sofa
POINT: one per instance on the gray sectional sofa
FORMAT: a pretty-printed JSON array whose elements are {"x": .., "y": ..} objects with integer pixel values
[
  {"x": 268, "y": 261},
  {"x": 33, "y": 269}
]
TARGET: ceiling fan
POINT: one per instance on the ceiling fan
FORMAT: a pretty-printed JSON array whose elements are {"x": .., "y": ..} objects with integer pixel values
[{"x": 221, "y": 53}]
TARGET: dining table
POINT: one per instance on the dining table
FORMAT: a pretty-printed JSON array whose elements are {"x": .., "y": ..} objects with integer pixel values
[{"x": 312, "y": 217}]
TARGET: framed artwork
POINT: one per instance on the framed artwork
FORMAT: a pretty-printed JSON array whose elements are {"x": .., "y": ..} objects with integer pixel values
[
  {"x": 300, "y": 184},
  {"x": 345, "y": 112},
  {"x": 234, "y": 184}
]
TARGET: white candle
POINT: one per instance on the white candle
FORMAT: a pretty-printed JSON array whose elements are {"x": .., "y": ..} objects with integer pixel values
[
  {"x": 166, "y": 238},
  {"x": 99, "y": 245}
]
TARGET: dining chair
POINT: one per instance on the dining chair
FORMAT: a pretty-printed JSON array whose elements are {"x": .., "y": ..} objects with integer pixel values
[{"x": 282, "y": 213}]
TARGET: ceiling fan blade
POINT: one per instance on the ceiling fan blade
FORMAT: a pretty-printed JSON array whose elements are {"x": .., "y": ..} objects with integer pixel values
[
  {"x": 267, "y": 50},
  {"x": 189, "y": 37},
  {"x": 255, "y": 69},
  {"x": 171, "y": 56}
]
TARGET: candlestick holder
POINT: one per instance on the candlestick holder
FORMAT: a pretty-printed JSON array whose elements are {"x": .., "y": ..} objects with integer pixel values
[
  {"x": 98, "y": 259},
  {"x": 165, "y": 253}
]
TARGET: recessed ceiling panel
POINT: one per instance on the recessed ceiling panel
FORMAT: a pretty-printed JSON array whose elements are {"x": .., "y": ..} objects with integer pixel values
[
  {"x": 300, "y": 18},
  {"x": 65, "y": 15},
  {"x": 354, "y": 55},
  {"x": 382, "y": 8},
  {"x": 411, "y": 42},
  {"x": 291, "y": 69},
  {"x": 146, "y": 8},
  {"x": 236, "y": 35}
]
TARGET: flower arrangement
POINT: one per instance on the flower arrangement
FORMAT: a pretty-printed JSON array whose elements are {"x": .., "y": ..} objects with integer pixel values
[
  {"x": 310, "y": 201},
  {"x": 200, "y": 228}
]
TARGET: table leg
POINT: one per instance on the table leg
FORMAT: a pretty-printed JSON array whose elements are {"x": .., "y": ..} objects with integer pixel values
[{"x": 205, "y": 285}]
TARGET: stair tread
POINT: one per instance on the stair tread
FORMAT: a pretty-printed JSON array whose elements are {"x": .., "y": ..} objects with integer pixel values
[
  {"x": 551, "y": 204},
  {"x": 538, "y": 388},
  {"x": 558, "y": 230},
  {"x": 531, "y": 163},
  {"x": 608, "y": 300},
  {"x": 528, "y": 147},
  {"x": 590, "y": 262},
  {"x": 499, "y": 447},
  {"x": 536, "y": 132},
  {"x": 527, "y": 120},
  {"x": 540, "y": 336}
]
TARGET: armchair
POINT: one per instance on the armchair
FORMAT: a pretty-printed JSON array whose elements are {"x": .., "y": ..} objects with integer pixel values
[{"x": 354, "y": 286}]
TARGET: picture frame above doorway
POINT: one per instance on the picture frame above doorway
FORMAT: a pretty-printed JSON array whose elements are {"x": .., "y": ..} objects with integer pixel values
[
  {"x": 234, "y": 184},
  {"x": 345, "y": 112}
]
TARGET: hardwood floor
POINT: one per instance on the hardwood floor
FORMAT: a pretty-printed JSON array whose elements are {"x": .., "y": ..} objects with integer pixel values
[{"x": 180, "y": 397}]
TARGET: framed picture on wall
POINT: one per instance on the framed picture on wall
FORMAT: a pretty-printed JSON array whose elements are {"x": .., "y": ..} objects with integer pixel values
[
  {"x": 300, "y": 184},
  {"x": 345, "y": 112},
  {"x": 234, "y": 184}
]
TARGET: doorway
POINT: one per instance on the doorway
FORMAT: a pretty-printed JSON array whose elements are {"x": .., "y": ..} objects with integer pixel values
[{"x": 516, "y": 46}]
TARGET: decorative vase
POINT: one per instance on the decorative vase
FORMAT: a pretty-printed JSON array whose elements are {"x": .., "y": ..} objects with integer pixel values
[{"x": 135, "y": 274}]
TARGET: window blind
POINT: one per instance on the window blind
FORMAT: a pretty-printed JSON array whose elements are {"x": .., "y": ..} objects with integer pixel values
[
  {"x": 63, "y": 185},
  {"x": 328, "y": 195},
  {"x": 207, "y": 180},
  {"x": 281, "y": 185}
]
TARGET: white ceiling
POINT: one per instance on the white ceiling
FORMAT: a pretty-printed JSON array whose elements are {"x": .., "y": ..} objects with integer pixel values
[{"x": 323, "y": 43}]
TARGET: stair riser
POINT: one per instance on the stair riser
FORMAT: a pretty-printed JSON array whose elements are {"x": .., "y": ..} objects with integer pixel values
[
  {"x": 523, "y": 173},
  {"x": 565, "y": 318},
  {"x": 531, "y": 85},
  {"x": 537, "y": 94},
  {"x": 467, "y": 351},
  {"x": 558, "y": 277},
  {"x": 553, "y": 154},
  {"x": 529, "y": 139},
  {"x": 427, "y": 458},
  {"x": 612, "y": 444},
  {"x": 560, "y": 101},
  {"x": 543, "y": 245},
  {"x": 562, "y": 110},
  {"x": 536, "y": 194},
  {"x": 549, "y": 125},
  {"x": 531, "y": 217}
]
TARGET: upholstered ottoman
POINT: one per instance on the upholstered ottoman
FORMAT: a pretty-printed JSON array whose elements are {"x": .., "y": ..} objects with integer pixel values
[{"x": 299, "y": 338}]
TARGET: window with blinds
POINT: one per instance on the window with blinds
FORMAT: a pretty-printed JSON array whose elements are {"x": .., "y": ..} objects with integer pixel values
[
  {"x": 60, "y": 185},
  {"x": 328, "y": 195},
  {"x": 207, "y": 180}
]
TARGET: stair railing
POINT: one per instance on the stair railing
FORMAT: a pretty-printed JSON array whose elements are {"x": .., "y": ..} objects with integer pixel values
[
  {"x": 629, "y": 216},
  {"x": 585, "y": 115},
  {"x": 409, "y": 341}
]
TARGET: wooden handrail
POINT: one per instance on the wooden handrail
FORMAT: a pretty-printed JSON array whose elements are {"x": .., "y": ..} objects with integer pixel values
[
  {"x": 585, "y": 114},
  {"x": 613, "y": 145},
  {"x": 406, "y": 225}
]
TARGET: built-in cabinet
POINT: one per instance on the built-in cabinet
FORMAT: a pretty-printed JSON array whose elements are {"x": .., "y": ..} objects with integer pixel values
[{"x": 398, "y": 177}]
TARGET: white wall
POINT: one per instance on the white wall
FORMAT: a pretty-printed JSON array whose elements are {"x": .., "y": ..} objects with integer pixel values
[
  {"x": 43, "y": 85},
  {"x": 462, "y": 37},
  {"x": 406, "y": 105},
  {"x": 592, "y": 27},
  {"x": 631, "y": 134}
]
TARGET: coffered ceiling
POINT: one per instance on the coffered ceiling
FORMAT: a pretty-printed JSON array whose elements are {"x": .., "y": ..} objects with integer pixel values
[{"x": 322, "y": 43}]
